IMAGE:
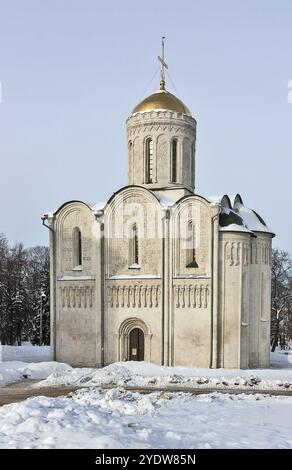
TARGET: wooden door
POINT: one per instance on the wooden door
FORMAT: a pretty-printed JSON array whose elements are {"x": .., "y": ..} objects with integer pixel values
[{"x": 136, "y": 345}]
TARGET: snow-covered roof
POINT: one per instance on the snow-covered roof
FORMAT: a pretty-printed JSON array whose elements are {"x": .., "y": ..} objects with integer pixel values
[
  {"x": 236, "y": 217},
  {"x": 99, "y": 206},
  {"x": 223, "y": 200},
  {"x": 235, "y": 228},
  {"x": 165, "y": 201},
  {"x": 234, "y": 198},
  {"x": 252, "y": 220},
  {"x": 215, "y": 199}
]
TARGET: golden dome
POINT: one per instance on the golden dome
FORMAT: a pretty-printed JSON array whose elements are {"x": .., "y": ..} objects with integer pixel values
[{"x": 162, "y": 100}]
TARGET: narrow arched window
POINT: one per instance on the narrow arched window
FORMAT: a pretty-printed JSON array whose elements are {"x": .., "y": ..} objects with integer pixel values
[
  {"x": 192, "y": 162},
  {"x": 77, "y": 248},
  {"x": 130, "y": 150},
  {"x": 134, "y": 247},
  {"x": 130, "y": 162},
  {"x": 191, "y": 246},
  {"x": 174, "y": 161},
  {"x": 149, "y": 161}
]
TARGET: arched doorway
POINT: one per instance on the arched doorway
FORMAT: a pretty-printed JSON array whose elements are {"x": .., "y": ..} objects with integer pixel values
[
  {"x": 136, "y": 345},
  {"x": 134, "y": 333}
]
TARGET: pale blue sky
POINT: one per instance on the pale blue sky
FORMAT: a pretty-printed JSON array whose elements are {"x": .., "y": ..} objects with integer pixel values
[{"x": 72, "y": 70}]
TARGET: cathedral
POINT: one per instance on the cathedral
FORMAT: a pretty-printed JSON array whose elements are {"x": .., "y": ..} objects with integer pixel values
[{"x": 160, "y": 273}]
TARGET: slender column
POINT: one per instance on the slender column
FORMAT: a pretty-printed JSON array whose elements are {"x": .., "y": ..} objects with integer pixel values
[
  {"x": 215, "y": 290},
  {"x": 101, "y": 303},
  {"x": 166, "y": 255},
  {"x": 53, "y": 287}
]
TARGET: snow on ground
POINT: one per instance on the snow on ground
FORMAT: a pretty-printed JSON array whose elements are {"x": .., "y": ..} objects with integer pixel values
[
  {"x": 25, "y": 353},
  {"x": 143, "y": 374},
  {"x": 27, "y": 362},
  {"x": 13, "y": 371},
  {"x": 116, "y": 418},
  {"x": 281, "y": 359},
  {"x": 119, "y": 419}
]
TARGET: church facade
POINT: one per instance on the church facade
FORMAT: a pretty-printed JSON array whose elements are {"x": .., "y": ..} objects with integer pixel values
[{"x": 160, "y": 273}]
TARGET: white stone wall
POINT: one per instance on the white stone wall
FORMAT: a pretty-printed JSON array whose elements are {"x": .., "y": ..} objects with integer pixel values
[
  {"x": 214, "y": 314},
  {"x": 78, "y": 308},
  {"x": 245, "y": 289},
  {"x": 260, "y": 301},
  {"x": 137, "y": 302},
  {"x": 192, "y": 287},
  {"x": 191, "y": 323},
  {"x": 234, "y": 299},
  {"x": 133, "y": 293},
  {"x": 133, "y": 206}
]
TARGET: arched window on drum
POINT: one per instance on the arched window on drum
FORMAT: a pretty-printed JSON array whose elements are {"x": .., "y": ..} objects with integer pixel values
[
  {"x": 149, "y": 161},
  {"x": 174, "y": 161}
]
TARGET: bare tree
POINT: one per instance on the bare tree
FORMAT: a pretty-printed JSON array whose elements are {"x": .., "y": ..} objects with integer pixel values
[
  {"x": 38, "y": 287},
  {"x": 24, "y": 293},
  {"x": 281, "y": 318},
  {"x": 3, "y": 267},
  {"x": 14, "y": 294}
]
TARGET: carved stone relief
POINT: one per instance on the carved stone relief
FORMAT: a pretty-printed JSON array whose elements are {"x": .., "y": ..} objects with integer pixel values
[
  {"x": 191, "y": 296},
  {"x": 76, "y": 296},
  {"x": 135, "y": 296}
]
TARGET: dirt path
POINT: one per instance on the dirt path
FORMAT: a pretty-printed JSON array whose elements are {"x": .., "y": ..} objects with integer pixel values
[
  {"x": 28, "y": 388},
  {"x": 204, "y": 390},
  {"x": 19, "y": 391}
]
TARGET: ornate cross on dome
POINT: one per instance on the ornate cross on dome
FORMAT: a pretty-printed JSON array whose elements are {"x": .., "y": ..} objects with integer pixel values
[{"x": 163, "y": 66}]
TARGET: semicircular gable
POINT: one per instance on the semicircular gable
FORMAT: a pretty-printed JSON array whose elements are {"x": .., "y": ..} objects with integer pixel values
[
  {"x": 192, "y": 217},
  {"x": 185, "y": 201},
  {"x": 66, "y": 209},
  {"x": 129, "y": 192},
  {"x": 68, "y": 203}
]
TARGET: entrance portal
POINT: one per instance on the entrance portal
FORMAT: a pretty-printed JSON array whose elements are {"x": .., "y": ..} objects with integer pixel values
[{"x": 136, "y": 345}]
